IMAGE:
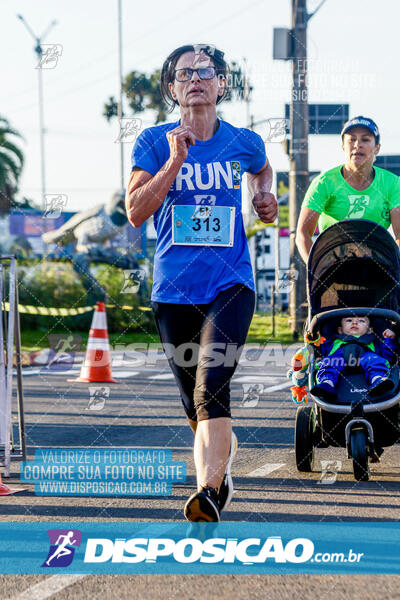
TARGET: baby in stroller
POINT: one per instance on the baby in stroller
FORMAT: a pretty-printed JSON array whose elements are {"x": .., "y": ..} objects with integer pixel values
[
  {"x": 353, "y": 273},
  {"x": 356, "y": 345}
]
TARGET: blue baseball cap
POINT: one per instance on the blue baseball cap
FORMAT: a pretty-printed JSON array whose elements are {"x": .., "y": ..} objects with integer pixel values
[{"x": 362, "y": 122}]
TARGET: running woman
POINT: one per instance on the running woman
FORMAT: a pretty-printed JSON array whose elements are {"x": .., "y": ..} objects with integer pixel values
[
  {"x": 354, "y": 190},
  {"x": 188, "y": 175}
]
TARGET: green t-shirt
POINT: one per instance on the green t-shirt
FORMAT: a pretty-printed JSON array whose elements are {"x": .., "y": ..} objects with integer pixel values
[{"x": 330, "y": 195}]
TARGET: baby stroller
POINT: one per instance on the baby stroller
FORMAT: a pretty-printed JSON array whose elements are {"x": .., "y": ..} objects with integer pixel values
[{"x": 353, "y": 269}]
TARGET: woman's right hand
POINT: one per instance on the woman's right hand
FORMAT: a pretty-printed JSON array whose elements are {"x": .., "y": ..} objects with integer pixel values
[{"x": 180, "y": 139}]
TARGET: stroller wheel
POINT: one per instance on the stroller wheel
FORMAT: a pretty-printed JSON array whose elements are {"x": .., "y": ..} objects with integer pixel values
[
  {"x": 304, "y": 438},
  {"x": 359, "y": 454}
]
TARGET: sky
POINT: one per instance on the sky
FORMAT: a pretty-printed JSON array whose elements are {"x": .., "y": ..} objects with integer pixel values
[{"x": 353, "y": 54}]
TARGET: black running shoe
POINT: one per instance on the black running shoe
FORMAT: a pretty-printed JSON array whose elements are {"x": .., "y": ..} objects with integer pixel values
[
  {"x": 381, "y": 387},
  {"x": 203, "y": 506}
]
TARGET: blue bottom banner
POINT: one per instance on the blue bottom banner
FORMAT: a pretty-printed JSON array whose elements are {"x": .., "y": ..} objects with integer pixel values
[{"x": 230, "y": 547}]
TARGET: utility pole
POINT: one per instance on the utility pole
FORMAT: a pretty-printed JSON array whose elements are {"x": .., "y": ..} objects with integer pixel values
[
  {"x": 39, "y": 52},
  {"x": 291, "y": 44},
  {"x": 298, "y": 174}
]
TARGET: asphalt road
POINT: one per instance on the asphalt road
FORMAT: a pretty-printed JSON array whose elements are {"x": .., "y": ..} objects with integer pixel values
[{"x": 143, "y": 411}]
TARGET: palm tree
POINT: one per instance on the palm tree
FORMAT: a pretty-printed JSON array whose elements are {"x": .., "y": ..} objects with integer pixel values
[{"x": 11, "y": 163}]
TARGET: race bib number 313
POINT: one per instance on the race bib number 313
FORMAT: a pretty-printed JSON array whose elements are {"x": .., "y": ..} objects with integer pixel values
[{"x": 203, "y": 225}]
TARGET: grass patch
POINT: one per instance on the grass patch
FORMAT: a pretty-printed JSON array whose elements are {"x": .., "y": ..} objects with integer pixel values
[
  {"x": 31, "y": 341},
  {"x": 260, "y": 333}
]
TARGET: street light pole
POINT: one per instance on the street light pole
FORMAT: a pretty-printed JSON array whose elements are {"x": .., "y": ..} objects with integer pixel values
[
  {"x": 39, "y": 53},
  {"x": 42, "y": 130},
  {"x": 292, "y": 45},
  {"x": 120, "y": 106}
]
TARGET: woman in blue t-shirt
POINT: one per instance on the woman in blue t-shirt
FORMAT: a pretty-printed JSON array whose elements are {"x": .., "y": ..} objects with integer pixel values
[{"x": 187, "y": 175}]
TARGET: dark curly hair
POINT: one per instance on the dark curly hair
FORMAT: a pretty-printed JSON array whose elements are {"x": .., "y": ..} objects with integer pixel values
[{"x": 167, "y": 72}]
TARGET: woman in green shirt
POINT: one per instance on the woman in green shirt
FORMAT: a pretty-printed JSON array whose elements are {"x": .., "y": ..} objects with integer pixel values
[{"x": 355, "y": 190}]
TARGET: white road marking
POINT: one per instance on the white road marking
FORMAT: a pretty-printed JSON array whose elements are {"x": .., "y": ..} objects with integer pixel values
[
  {"x": 116, "y": 374},
  {"x": 27, "y": 373},
  {"x": 275, "y": 388},
  {"x": 48, "y": 587},
  {"x": 123, "y": 374},
  {"x": 162, "y": 376},
  {"x": 265, "y": 469},
  {"x": 125, "y": 363},
  {"x": 258, "y": 378},
  {"x": 246, "y": 371}
]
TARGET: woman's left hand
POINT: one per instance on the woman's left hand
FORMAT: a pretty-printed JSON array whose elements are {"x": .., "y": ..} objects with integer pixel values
[{"x": 265, "y": 206}]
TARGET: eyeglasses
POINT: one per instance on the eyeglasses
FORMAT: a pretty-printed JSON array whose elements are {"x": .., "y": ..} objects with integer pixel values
[{"x": 203, "y": 73}]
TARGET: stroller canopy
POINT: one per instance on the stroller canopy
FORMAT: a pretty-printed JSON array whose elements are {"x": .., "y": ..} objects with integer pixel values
[{"x": 353, "y": 263}]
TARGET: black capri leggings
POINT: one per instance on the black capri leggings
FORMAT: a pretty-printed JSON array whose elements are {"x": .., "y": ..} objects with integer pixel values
[{"x": 203, "y": 344}]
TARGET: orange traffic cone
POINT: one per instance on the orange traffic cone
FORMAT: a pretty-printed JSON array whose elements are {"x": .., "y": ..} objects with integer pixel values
[{"x": 96, "y": 367}]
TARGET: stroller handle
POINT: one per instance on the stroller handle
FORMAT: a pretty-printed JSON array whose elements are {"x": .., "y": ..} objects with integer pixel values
[{"x": 319, "y": 319}]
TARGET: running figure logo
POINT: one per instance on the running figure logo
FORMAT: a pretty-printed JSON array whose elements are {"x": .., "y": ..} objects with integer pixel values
[
  {"x": 55, "y": 203},
  {"x": 276, "y": 130},
  {"x": 132, "y": 280},
  {"x": 330, "y": 469},
  {"x": 61, "y": 552},
  {"x": 210, "y": 199},
  {"x": 50, "y": 53},
  {"x": 98, "y": 397},
  {"x": 357, "y": 205},
  {"x": 129, "y": 130},
  {"x": 251, "y": 394},
  {"x": 62, "y": 351}
]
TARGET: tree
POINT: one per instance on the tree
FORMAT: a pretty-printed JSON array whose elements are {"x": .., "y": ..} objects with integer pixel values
[
  {"x": 11, "y": 163},
  {"x": 25, "y": 203},
  {"x": 143, "y": 92}
]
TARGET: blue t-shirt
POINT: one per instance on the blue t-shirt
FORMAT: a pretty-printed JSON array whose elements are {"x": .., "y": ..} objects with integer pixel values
[{"x": 211, "y": 175}]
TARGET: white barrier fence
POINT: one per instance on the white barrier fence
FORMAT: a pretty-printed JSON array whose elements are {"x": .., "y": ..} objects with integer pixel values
[{"x": 10, "y": 346}]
